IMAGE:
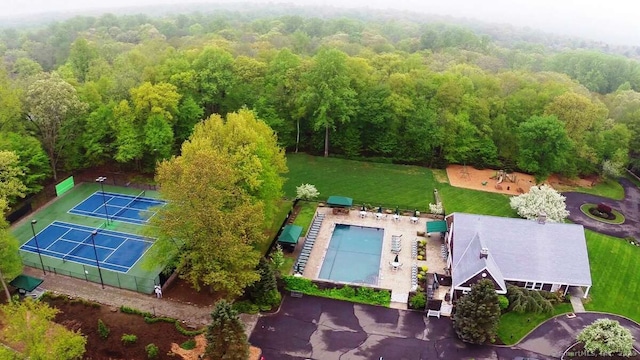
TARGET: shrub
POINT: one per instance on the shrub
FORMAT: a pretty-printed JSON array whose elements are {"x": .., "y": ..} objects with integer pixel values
[
  {"x": 606, "y": 337},
  {"x": 271, "y": 299},
  {"x": 152, "y": 351},
  {"x": 189, "y": 344},
  {"x": 103, "y": 330},
  {"x": 503, "y": 302},
  {"x": 523, "y": 300},
  {"x": 418, "y": 301},
  {"x": 246, "y": 307},
  {"x": 128, "y": 339},
  {"x": 604, "y": 208},
  {"x": 348, "y": 292},
  {"x": 425, "y": 268}
]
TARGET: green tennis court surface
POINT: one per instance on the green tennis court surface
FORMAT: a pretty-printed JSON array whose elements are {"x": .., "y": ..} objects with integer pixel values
[{"x": 138, "y": 275}]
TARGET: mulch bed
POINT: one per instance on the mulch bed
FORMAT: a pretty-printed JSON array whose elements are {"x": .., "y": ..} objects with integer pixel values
[{"x": 78, "y": 315}]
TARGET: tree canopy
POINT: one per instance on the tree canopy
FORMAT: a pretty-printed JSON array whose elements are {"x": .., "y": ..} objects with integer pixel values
[
  {"x": 606, "y": 337},
  {"x": 539, "y": 200},
  {"x": 220, "y": 191},
  {"x": 478, "y": 314}
]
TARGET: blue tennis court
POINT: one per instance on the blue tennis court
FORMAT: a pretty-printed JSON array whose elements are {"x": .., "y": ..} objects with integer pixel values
[
  {"x": 120, "y": 207},
  {"x": 116, "y": 251},
  {"x": 353, "y": 255}
]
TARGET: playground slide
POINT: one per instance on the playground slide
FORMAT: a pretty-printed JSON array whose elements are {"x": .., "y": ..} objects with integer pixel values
[{"x": 500, "y": 179}]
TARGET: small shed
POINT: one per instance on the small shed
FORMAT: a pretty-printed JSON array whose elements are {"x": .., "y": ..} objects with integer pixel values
[
  {"x": 439, "y": 226},
  {"x": 25, "y": 283},
  {"x": 290, "y": 235}
]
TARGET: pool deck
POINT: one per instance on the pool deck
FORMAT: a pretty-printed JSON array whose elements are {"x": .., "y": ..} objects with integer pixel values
[{"x": 398, "y": 281}]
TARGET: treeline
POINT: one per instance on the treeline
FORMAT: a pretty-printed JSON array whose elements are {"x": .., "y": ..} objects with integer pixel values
[{"x": 129, "y": 89}]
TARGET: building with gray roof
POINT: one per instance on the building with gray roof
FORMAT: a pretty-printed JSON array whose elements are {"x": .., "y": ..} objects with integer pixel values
[{"x": 536, "y": 255}]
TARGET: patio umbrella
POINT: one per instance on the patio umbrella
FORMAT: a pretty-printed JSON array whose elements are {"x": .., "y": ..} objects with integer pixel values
[
  {"x": 415, "y": 213},
  {"x": 363, "y": 208},
  {"x": 380, "y": 209},
  {"x": 396, "y": 260},
  {"x": 397, "y": 210}
]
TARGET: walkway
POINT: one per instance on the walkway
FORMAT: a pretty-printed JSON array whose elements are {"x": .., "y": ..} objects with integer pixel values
[
  {"x": 189, "y": 314},
  {"x": 629, "y": 206}
]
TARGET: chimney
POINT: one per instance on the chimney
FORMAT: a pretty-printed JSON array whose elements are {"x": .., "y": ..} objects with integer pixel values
[
  {"x": 542, "y": 218},
  {"x": 484, "y": 253}
]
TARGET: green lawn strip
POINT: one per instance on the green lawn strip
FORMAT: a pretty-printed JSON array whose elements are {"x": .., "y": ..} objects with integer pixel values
[
  {"x": 618, "y": 220},
  {"x": 514, "y": 326},
  {"x": 389, "y": 185},
  {"x": 615, "y": 265},
  {"x": 305, "y": 216},
  {"x": 283, "y": 208},
  {"x": 475, "y": 202},
  {"x": 608, "y": 188},
  {"x": 287, "y": 265}
]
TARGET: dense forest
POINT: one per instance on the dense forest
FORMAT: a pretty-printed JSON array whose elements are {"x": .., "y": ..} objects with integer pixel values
[{"x": 128, "y": 90}]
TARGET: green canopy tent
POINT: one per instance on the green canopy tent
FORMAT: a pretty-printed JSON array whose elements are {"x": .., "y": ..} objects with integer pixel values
[
  {"x": 290, "y": 235},
  {"x": 436, "y": 226},
  {"x": 339, "y": 201},
  {"x": 26, "y": 283}
]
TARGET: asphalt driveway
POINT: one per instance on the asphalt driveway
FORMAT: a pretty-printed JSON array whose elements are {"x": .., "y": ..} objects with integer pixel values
[
  {"x": 629, "y": 206},
  {"x": 318, "y": 328}
]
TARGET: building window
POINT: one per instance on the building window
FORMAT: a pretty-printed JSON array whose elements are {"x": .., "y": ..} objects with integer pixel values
[{"x": 533, "y": 286}]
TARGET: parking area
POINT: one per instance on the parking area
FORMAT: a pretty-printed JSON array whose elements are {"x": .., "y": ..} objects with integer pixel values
[{"x": 318, "y": 328}]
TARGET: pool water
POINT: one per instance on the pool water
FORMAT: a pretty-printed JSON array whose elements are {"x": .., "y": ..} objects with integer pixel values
[{"x": 353, "y": 255}]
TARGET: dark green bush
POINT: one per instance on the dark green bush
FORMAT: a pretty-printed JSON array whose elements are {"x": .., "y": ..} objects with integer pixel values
[
  {"x": 103, "y": 330},
  {"x": 418, "y": 301},
  {"x": 246, "y": 307},
  {"x": 348, "y": 292},
  {"x": 152, "y": 351},
  {"x": 128, "y": 310},
  {"x": 271, "y": 299},
  {"x": 189, "y": 344},
  {"x": 128, "y": 339},
  {"x": 186, "y": 332}
]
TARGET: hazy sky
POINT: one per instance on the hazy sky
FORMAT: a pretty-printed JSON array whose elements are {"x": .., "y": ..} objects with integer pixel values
[{"x": 613, "y": 21}]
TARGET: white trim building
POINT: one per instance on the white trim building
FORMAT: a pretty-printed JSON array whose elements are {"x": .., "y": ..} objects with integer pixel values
[{"x": 536, "y": 255}]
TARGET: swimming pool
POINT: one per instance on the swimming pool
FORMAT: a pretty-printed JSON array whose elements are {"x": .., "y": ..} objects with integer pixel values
[{"x": 353, "y": 255}]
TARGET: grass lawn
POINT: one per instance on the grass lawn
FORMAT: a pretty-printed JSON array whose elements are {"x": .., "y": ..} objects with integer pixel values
[
  {"x": 615, "y": 265},
  {"x": 389, "y": 185},
  {"x": 608, "y": 188},
  {"x": 475, "y": 202},
  {"x": 283, "y": 208},
  {"x": 514, "y": 326},
  {"x": 305, "y": 216}
]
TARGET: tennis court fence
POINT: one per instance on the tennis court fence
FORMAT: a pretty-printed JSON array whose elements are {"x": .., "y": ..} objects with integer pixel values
[{"x": 110, "y": 278}]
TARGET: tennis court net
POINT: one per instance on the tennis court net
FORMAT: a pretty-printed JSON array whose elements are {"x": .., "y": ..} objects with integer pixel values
[{"x": 130, "y": 204}]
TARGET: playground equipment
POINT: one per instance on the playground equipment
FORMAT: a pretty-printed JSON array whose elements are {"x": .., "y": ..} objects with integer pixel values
[
  {"x": 464, "y": 172},
  {"x": 502, "y": 175}
]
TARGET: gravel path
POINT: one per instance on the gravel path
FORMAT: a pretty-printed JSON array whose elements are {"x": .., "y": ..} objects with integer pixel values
[
  {"x": 629, "y": 206},
  {"x": 191, "y": 315}
]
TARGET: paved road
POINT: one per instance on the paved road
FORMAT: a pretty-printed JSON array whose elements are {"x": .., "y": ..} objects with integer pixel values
[
  {"x": 318, "y": 328},
  {"x": 629, "y": 206}
]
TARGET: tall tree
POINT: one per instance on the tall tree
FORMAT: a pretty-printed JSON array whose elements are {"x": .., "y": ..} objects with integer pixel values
[
  {"x": 220, "y": 190},
  {"x": 10, "y": 104},
  {"x": 226, "y": 339},
  {"x": 10, "y": 261},
  {"x": 11, "y": 187},
  {"x": 33, "y": 160},
  {"x": 29, "y": 324},
  {"x": 51, "y": 105},
  {"x": 329, "y": 96},
  {"x": 478, "y": 314},
  {"x": 543, "y": 146}
]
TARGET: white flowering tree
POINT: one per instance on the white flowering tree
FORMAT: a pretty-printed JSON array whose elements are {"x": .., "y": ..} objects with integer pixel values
[
  {"x": 606, "y": 337},
  {"x": 306, "y": 192},
  {"x": 541, "y": 199},
  {"x": 436, "y": 208},
  {"x": 612, "y": 169}
]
